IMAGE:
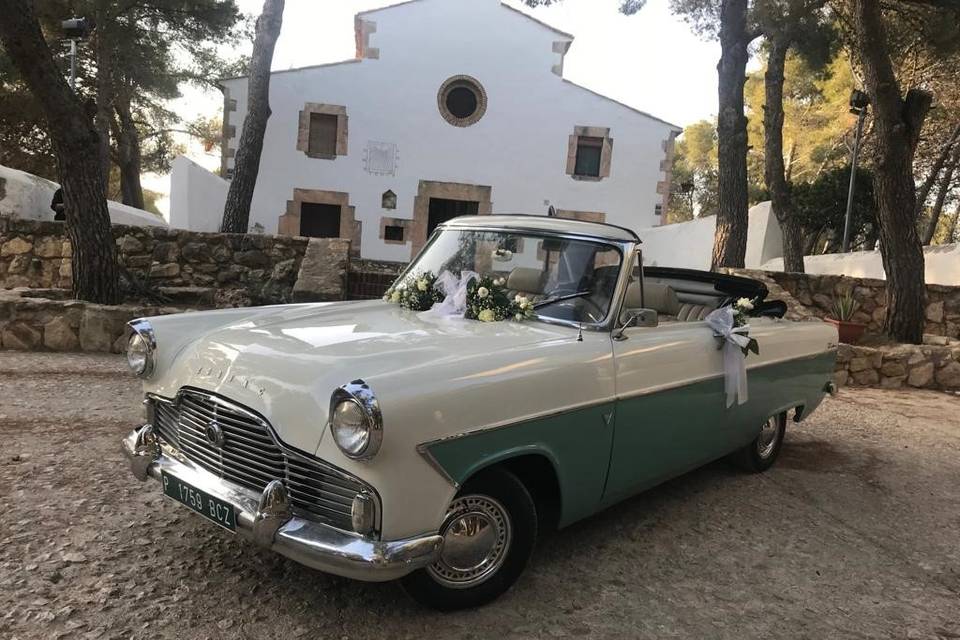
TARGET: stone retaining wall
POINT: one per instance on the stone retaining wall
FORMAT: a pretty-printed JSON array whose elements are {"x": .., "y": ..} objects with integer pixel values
[
  {"x": 42, "y": 324},
  {"x": 235, "y": 269},
  {"x": 935, "y": 365},
  {"x": 817, "y": 293}
]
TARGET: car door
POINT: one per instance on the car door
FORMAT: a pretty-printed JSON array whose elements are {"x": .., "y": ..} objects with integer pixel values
[{"x": 671, "y": 413}]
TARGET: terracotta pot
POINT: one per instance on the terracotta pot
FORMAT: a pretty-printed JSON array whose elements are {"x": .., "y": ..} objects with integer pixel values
[{"x": 850, "y": 332}]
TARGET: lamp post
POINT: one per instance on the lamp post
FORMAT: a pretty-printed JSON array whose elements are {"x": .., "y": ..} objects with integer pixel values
[
  {"x": 859, "y": 102},
  {"x": 75, "y": 29}
]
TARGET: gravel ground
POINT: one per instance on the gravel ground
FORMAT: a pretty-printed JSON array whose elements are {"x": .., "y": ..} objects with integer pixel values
[{"x": 853, "y": 534}]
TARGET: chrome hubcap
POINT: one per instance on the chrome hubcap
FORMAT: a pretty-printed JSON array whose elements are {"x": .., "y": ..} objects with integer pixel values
[
  {"x": 767, "y": 440},
  {"x": 476, "y": 537}
]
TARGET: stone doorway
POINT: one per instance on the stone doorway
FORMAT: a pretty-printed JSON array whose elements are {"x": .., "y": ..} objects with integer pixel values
[
  {"x": 437, "y": 202},
  {"x": 314, "y": 212}
]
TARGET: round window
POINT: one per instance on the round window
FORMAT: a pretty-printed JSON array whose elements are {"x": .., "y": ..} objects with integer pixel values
[{"x": 462, "y": 101}]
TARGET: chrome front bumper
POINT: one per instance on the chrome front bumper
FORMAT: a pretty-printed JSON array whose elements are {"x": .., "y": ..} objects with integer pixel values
[{"x": 267, "y": 521}]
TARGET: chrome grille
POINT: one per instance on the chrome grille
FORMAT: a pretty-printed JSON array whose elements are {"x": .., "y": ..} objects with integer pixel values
[{"x": 252, "y": 457}]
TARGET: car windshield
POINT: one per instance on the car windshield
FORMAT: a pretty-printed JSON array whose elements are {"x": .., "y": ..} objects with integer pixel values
[{"x": 567, "y": 279}]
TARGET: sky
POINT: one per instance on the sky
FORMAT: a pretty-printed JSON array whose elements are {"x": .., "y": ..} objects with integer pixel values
[{"x": 651, "y": 61}]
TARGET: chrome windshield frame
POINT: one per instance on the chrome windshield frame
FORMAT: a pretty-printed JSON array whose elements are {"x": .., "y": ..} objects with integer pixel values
[{"x": 627, "y": 251}]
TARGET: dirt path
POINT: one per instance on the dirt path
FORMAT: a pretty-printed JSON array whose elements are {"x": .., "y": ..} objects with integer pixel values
[{"x": 854, "y": 534}]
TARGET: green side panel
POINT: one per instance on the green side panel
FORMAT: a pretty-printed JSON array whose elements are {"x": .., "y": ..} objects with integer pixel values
[
  {"x": 662, "y": 435},
  {"x": 577, "y": 443},
  {"x": 652, "y": 438}
]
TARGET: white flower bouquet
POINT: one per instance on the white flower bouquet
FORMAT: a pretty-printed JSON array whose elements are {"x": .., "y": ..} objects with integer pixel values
[
  {"x": 489, "y": 301},
  {"x": 417, "y": 293}
]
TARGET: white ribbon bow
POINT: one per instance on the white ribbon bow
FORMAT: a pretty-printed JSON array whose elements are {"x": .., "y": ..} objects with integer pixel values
[
  {"x": 734, "y": 362},
  {"x": 455, "y": 290}
]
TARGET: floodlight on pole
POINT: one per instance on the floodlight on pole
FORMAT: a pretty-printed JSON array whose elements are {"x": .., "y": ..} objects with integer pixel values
[
  {"x": 75, "y": 29},
  {"x": 859, "y": 103}
]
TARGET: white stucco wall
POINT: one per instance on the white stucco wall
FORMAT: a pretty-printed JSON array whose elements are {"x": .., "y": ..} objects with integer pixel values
[
  {"x": 942, "y": 264},
  {"x": 690, "y": 244},
  {"x": 197, "y": 196},
  {"x": 519, "y": 148},
  {"x": 24, "y": 195}
]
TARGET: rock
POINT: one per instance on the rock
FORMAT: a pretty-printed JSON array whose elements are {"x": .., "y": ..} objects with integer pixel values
[
  {"x": 166, "y": 252},
  {"x": 15, "y": 247},
  {"x": 20, "y": 336},
  {"x": 866, "y": 377},
  {"x": 222, "y": 253},
  {"x": 892, "y": 382},
  {"x": 948, "y": 377},
  {"x": 129, "y": 244},
  {"x": 323, "y": 271},
  {"x": 878, "y": 315},
  {"x": 49, "y": 247},
  {"x": 170, "y": 270},
  {"x": 844, "y": 353},
  {"x": 935, "y": 311},
  {"x": 58, "y": 335},
  {"x": 100, "y": 326},
  {"x": 74, "y": 557},
  {"x": 199, "y": 296},
  {"x": 893, "y": 369},
  {"x": 137, "y": 262},
  {"x": 934, "y": 340},
  {"x": 195, "y": 252},
  {"x": 20, "y": 264},
  {"x": 252, "y": 258},
  {"x": 283, "y": 271},
  {"x": 840, "y": 378},
  {"x": 921, "y": 376},
  {"x": 859, "y": 364},
  {"x": 229, "y": 274},
  {"x": 66, "y": 250}
]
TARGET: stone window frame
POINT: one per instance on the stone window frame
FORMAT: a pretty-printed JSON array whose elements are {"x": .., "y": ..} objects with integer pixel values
[
  {"x": 405, "y": 223},
  {"x": 462, "y": 81},
  {"x": 303, "y": 131},
  {"x": 448, "y": 190},
  {"x": 606, "y": 152},
  {"x": 350, "y": 227},
  {"x": 388, "y": 200}
]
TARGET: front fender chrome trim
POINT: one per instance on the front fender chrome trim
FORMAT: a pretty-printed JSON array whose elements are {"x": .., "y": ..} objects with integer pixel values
[{"x": 310, "y": 543}]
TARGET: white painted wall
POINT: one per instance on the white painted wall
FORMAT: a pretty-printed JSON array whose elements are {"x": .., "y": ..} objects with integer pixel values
[
  {"x": 519, "y": 147},
  {"x": 942, "y": 264},
  {"x": 196, "y": 196},
  {"x": 689, "y": 245},
  {"x": 26, "y": 196}
]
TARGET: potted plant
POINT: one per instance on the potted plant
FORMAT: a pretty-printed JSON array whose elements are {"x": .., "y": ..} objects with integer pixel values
[{"x": 844, "y": 308}]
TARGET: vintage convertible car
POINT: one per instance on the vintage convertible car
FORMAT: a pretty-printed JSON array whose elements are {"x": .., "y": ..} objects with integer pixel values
[{"x": 375, "y": 442}]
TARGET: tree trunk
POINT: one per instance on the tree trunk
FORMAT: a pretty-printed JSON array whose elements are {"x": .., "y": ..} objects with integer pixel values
[
  {"x": 104, "y": 115},
  {"x": 897, "y": 124},
  {"x": 943, "y": 189},
  {"x": 774, "y": 170},
  {"x": 730, "y": 239},
  {"x": 128, "y": 156},
  {"x": 951, "y": 236},
  {"x": 75, "y": 142},
  {"x": 931, "y": 178},
  {"x": 236, "y": 212}
]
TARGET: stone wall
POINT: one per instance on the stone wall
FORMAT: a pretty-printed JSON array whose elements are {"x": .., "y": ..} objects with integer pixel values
[
  {"x": 816, "y": 294},
  {"x": 935, "y": 365},
  {"x": 44, "y": 324},
  {"x": 229, "y": 269}
]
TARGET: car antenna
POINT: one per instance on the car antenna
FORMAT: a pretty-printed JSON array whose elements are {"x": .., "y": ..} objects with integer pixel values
[{"x": 580, "y": 332}]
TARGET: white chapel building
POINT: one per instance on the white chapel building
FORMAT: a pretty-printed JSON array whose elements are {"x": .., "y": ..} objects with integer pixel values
[{"x": 451, "y": 107}]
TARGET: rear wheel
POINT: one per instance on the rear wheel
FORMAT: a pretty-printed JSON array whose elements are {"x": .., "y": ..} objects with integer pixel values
[
  {"x": 762, "y": 452},
  {"x": 488, "y": 535}
]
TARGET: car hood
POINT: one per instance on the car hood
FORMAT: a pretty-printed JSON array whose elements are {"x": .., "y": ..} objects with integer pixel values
[{"x": 284, "y": 362}]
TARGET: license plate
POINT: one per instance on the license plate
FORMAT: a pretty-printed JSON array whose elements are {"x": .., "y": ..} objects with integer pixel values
[{"x": 220, "y": 512}]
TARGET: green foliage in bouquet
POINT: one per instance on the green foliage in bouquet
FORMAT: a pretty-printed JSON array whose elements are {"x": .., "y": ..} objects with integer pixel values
[
  {"x": 417, "y": 293},
  {"x": 489, "y": 301}
]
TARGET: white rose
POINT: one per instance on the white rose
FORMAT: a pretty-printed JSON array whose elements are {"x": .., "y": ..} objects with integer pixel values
[
  {"x": 386, "y": 297},
  {"x": 402, "y": 286},
  {"x": 482, "y": 293},
  {"x": 422, "y": 284},
  {"x": 487, "y": 315},
  {"x": 501, "y": 282},
  {"x": 518, "y": 317},
  {"x": 745, "y": 303},
  {"x": 395, "y": 296}
]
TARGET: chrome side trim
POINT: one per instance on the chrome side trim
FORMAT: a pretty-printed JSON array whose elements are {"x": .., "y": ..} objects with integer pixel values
[
  {"x": 424, "y": 450},
  {"x": 310, "y": 543}
]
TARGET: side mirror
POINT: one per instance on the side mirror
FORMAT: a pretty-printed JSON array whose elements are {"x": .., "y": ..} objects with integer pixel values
[{"x": 636, "y": 318}]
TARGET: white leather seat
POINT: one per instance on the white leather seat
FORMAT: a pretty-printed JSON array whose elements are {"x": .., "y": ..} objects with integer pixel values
[{"x": 525, "y": 281}]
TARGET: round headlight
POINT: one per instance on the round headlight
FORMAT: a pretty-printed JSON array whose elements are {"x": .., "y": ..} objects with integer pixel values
[
  {"x": 140, "y": 348},
  {"x": 355, "y": 420},
  {"x": 350, "y": 428}
]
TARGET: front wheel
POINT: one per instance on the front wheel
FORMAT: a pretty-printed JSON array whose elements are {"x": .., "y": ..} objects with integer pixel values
[
  {"x": 488, "y": 535},
  {"x": 762, "y": 452}
]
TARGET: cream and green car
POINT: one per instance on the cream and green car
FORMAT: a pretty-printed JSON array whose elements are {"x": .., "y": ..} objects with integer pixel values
[{"x": 370, "y": 441}]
